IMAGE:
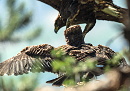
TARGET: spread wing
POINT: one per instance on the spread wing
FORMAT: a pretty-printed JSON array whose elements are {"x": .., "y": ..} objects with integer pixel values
[
  {"x": 30, "y": 59},
  {"x": 53, "y": 3}
]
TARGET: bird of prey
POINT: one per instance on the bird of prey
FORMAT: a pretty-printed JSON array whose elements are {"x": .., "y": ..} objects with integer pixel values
[
  {"x": 70, "y": 9},
  {"x": 39, "y": 58},
  {"x": 87, "y": 12}
]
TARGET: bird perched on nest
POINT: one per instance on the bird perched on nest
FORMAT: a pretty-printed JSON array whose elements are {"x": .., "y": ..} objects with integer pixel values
[
  {"x": 39, "y": 58},
  {"x": 87, "y": 11}
]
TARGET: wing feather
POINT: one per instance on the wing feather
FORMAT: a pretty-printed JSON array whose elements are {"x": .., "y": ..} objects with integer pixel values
[
  {"x": 12, "y": 68},
  {"x": 33, "y": 58},
  {"x": 16, "y": 69},
  {"x": 4, "y": 68},
  {"x": 20, "y": 67}
]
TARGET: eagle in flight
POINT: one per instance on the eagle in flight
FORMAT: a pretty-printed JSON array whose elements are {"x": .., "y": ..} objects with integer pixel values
[{"x": 39, "y": 58}]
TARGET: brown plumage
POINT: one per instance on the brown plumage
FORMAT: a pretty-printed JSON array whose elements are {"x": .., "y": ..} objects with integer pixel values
[
  {"x": 38, "y": 58},
  {"x": 25, "y": 61},
  {"x": 70, "y": 9},
  {"x": 73, "y": 12},
  {"x": 87, "y": 11}
]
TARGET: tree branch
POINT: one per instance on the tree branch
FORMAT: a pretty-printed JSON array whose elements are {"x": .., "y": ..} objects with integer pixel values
[
  {"x": 110, "y": 83},
  {"x": 127, "y": 23},
  {"x": 114, "y": 80}
]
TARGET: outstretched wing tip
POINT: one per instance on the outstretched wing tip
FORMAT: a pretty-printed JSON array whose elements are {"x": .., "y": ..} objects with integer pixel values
[{"x": 30, "y": 59}]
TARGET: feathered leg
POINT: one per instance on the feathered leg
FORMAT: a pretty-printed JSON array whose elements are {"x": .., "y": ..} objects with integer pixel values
[{"x": 71, "y": 19}]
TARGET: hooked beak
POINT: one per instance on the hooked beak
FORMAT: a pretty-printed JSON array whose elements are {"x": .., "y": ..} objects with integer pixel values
[{"x": 56, "y": 29}]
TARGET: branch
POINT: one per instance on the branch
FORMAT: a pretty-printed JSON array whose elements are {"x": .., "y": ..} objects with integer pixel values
[
  {"x": 114, "y": 80},
  {"x": 110, "y": 83},
  {"x": 127, "y": 23}
]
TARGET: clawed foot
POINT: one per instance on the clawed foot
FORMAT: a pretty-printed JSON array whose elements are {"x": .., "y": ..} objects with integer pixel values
[{"x": 88, "y": 27}]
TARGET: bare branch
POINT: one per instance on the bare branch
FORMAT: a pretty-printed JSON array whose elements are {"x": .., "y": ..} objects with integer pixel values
[
  {"x": 113, "y": 81},
  {"x": 127, "y": 23}
]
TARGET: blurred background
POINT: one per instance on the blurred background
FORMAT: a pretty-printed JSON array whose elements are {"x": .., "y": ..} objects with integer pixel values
[{"x": 31, "y": 22}]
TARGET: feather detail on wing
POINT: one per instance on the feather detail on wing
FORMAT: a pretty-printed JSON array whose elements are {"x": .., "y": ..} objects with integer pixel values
[{"x": 33, "y": 58}]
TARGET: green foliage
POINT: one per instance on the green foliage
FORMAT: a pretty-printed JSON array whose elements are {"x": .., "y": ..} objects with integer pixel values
[
  {"x": 58, "y": 53},
  {"x": 21, "y": 83},
  {"x": 69, "y": 66},
  {"x": 69, "y": 82},
  {"x": 33, "y": 34},
  {"x": 76, "y": 71},
  {"x": 62, "y": 62},
  {"x": 114, "y": 62},
  {"x": 17, "y": 18}
]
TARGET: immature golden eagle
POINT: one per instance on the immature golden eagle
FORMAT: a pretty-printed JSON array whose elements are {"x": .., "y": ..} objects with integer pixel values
[
  {"x": 70, "y": 9},
  {"x": 74, "y": 12},
  {"x": 38, "y": 58}
]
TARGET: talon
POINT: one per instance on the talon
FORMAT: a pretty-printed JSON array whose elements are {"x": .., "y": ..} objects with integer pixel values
[{"x": 88, "y": 27}]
